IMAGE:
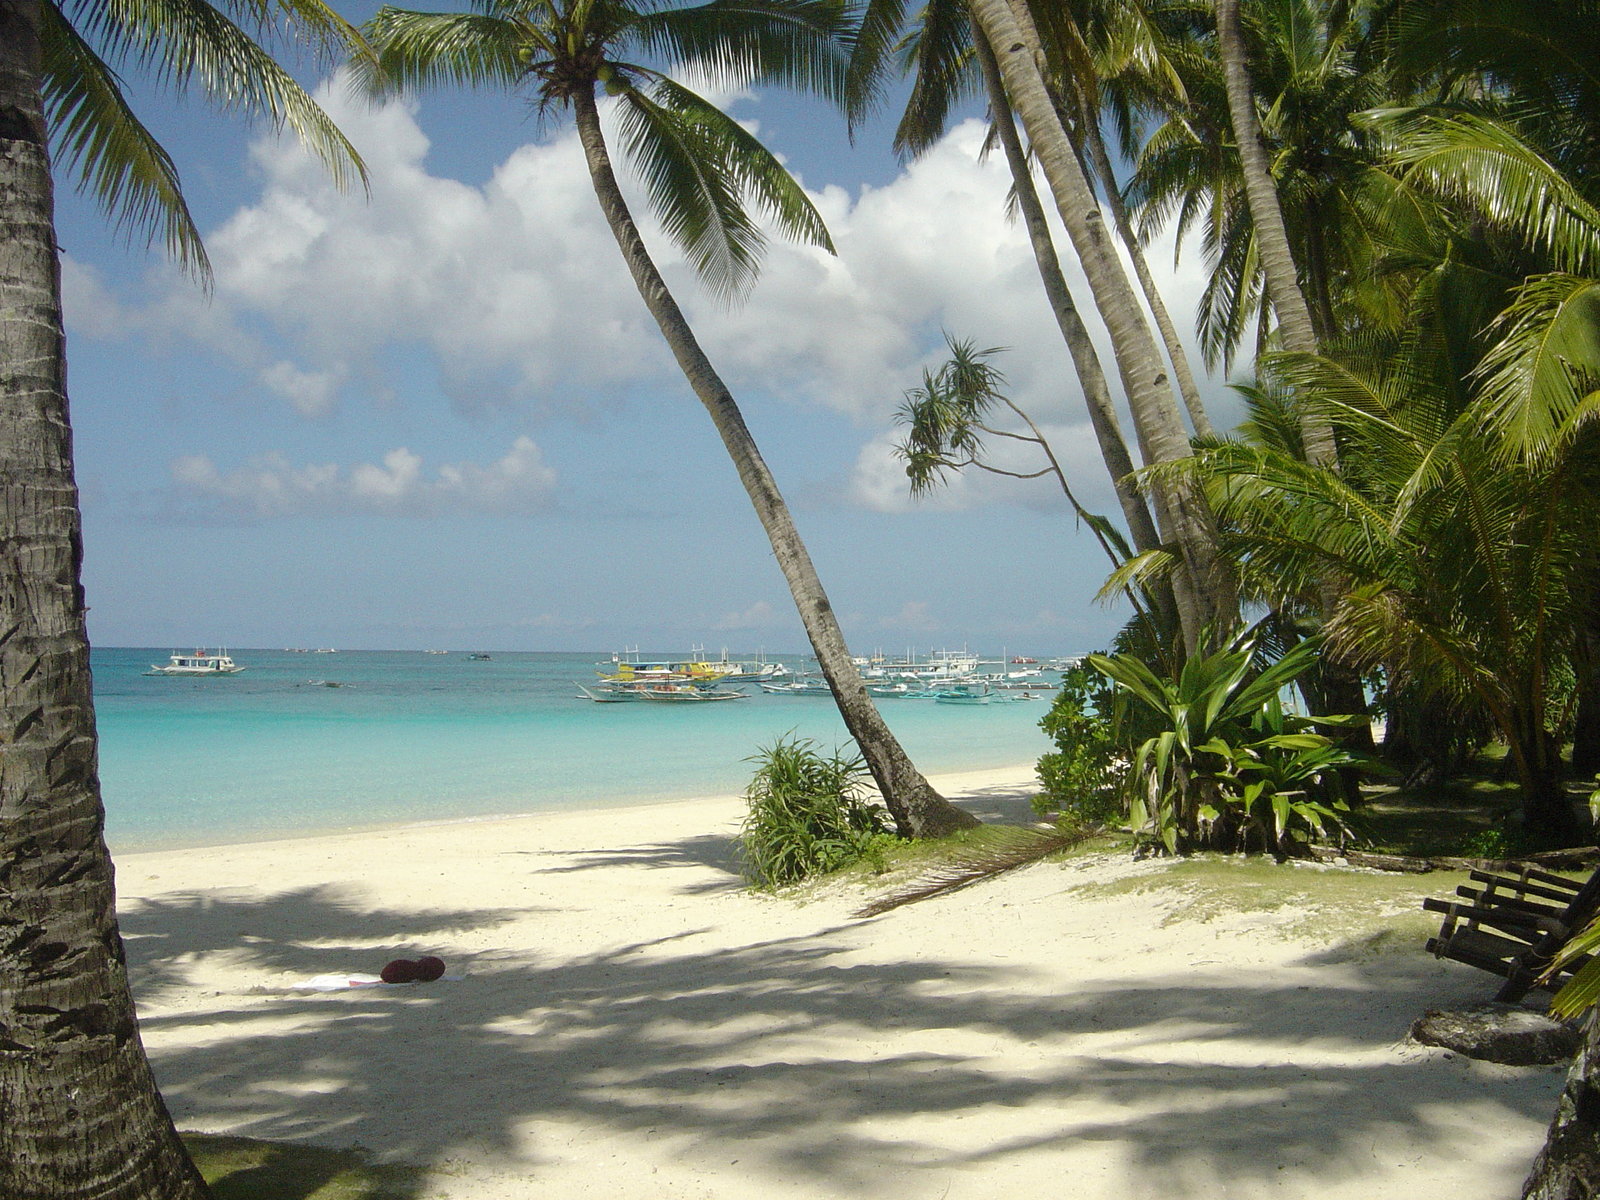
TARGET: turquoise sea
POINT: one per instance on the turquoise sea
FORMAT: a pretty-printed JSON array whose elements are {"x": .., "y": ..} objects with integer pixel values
[{"x": 408, "y": 736}]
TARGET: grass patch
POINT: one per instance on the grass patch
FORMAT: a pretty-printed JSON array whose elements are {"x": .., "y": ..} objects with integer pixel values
[
  {"x": 246, "y": 1169},
  {"x": 1332, "y": 904},
  {"x": 1470, "y": 817}
]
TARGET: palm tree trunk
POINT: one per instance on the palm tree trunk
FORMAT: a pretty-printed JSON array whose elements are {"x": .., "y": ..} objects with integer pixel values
[
  {"x": 1295, "y": 326},
  {"x": 1569, "y": 1163},
  {"x": 1201, "y": 586},
  {"x": 918, "y": 810},
  {"x": 1085, "y": 358},
  {"x": 79, "y": 1111},
  {"x": 1176, "y": 354}
]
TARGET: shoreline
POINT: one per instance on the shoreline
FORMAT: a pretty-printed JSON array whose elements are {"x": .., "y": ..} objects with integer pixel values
[
  {"x": 1009, "y": 779},
  {"x": 627, "y": 1020}
]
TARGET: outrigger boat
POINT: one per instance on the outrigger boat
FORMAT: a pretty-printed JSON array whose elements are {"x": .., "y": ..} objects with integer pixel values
[
  {"x": 966, "y": 693},
  {"x": 666, "y": 691},
  {"x": 198, "y": 663},
  {"x": 798, "y": 687}
]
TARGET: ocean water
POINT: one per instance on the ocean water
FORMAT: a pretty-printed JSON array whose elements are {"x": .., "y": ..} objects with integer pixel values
[{"x": 407, "y": 737}]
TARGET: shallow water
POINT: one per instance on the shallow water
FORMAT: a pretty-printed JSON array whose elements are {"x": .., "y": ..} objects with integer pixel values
[{"x": 408, "y": 736}]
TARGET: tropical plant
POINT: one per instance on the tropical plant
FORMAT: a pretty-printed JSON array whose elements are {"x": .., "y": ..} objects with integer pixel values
[
  {"x": 1227, "y": 769},
  {"x": 699, "y": 166},
  {"x": 808, "y": 814},
  {"x": 1083, "y": 777},
  {"x": 1470, "y": 574},
  {"x": 81, "y": 1114}
]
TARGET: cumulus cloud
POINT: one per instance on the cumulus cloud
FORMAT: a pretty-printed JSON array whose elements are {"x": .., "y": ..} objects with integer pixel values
[
  {"x": 759, "y": 615},
  {"x": 269, "y": 486},
  {"x": 915, "y": 616},
  {"x": 516, "y": 290}
]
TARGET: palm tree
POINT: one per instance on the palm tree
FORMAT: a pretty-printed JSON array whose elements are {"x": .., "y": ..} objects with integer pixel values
[
  {"x": 698, "y": 164},
  {"x": 1202, "y": 587},
  {"x": 81, "y": 1114},
  {"x": 1470, "y": 573}
]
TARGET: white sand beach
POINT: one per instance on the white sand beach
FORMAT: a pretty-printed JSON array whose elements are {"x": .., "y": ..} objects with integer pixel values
[{"x": 629, "y": 1022}]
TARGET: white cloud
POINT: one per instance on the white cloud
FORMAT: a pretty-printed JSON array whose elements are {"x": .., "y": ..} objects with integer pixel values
[
  {"x": 312, "y": 393},
  {"x": 759, "y": 615},
  {"x": 915, "y": 616},
  {"x": 269, "y": 486},
  {"x": 517, "y": 290}
]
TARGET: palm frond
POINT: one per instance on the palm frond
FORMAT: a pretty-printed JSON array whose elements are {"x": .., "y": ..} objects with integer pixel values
[
  {"x": 801, "y": 44},
  {"x": 117, "y": 160},
  {"x": 1545, "y": 362},
  {"x": 424, "y": 50},
  {"x": 184, "y": 43},
  {"x": 1511, "y": 182},
  {"x": 939, "y": 55},
  {"x": 697, "y": 164},
  {"x": 872, "y": 54}
]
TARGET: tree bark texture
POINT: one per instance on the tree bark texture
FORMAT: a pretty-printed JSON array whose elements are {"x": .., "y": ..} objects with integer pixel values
[
  {"x": 1177, "y": 355},
  {"x": 1085, "y": 358},
  {"x": 1568, "y": 1168},
  {"x": 1202, "y": 587},
  {"x": 79, "y": 1111},
  {"x": 1295, "y": 327},
  {"x": 918, "y": 810}
]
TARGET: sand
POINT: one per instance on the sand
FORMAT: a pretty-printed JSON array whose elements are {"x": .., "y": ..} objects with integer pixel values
[{"x": 629, "y": 1022}]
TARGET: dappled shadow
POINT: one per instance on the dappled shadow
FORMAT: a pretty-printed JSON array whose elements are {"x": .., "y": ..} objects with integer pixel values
[
  {"x": 309, "y": 931},
  {"x": 1006, "y": 805},
  {"x": 719, "y": 852},
  {"x": 792, "y": 1050}
]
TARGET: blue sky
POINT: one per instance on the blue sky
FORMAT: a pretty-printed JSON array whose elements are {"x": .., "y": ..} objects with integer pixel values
[{"x": 439, "y": 416}]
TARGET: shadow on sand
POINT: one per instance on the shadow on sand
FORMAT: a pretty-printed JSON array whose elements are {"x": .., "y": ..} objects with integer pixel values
[{"x": 720, "y": 1048}]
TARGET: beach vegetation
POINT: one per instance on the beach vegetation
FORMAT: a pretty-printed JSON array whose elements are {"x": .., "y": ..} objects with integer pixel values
[
  {"x": 1225, "y": 766},
  {"x": 703, "y": 173},
  {"x": 1081, "y": 779},
  {"x": 81, "y": 1111},
  {"x": 239, "y": 1168},
  {"x": 809, "y": 813}
]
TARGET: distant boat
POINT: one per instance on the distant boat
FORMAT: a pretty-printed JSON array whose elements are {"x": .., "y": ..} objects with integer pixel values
[
  {"x": 655, "y": 690},
  {"x": 799, "y": 687},
  {"x": 903, "y": 690},
  {"x": 198, "y": 663},
  {"x": 479, "y": 657},
  {"x": 966, "y": 693}
]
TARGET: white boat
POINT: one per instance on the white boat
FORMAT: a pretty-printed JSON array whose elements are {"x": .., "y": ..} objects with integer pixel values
[
  {"x": 663, "y": 691},
  {"x": 799, "y": 687},
  {"x": 903, "y": 690},
  {"x": 966, "y": 693},
  {"x": 679, "y": 693},
  {"x": 198, "y": 663}
]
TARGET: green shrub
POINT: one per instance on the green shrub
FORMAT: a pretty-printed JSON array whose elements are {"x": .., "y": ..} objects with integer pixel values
[
  {"x": 808, "y": 815},
  {"x": 1225, "y": 767},
  {"x": 1082, "y": 777}
]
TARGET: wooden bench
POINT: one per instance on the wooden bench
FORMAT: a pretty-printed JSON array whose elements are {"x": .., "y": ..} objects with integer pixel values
[{"x": 1512, "y": 926}]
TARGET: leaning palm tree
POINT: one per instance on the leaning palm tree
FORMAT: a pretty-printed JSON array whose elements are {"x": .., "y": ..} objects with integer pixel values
[
  {"x": 698, "y": 167},
  {"x": 1202, "y": 586},
  {"x": 79, "y": 1112}
]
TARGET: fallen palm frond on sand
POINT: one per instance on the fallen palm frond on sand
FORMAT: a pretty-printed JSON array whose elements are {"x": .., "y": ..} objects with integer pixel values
[{"x": 991, "y": 852}]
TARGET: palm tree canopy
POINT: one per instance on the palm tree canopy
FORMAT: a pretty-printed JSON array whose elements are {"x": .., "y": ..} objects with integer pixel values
[
  {"x": 181, "y": 44},
  {"x": 699, "y": 166}
]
